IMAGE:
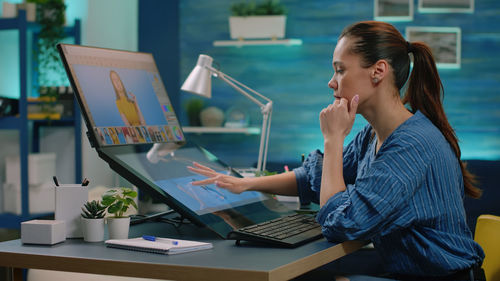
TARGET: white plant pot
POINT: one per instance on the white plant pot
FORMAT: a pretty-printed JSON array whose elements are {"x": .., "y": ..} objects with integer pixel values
[
  {"x": 118, "y": 227},
  {"x": 93, "y": 229},
  {"x": 257, "y": 27}
]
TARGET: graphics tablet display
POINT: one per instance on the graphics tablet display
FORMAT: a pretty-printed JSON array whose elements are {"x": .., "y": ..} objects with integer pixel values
[
  {"x": 124, "y": 96},
  {"x": 133, "y": 127}
]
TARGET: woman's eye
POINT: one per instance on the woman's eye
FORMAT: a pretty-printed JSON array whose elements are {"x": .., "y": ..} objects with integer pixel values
[{"x": 339, "y": 71}]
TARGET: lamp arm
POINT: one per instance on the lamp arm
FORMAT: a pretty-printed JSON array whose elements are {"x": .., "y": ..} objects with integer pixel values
[
  {"x": 268, "y": 130},
  {"x": 264, "y": 136},
  {"x": 266, "y": 110},
  {"x": 238, "y": 86},
  {"x": 246, "y": 87}
]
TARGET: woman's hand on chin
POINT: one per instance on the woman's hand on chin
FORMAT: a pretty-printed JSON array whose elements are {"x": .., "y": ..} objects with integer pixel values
[{"x": 336, "y": 119}]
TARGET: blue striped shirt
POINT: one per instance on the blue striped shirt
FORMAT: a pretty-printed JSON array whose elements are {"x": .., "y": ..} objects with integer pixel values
[{"x": 407, "y": 199}]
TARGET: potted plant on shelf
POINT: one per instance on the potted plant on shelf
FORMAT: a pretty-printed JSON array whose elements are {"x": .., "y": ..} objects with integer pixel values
[
  {"x": 93, "y": 221},
  {"x": 50, "y": 15},
  {"x": 257, "y": 21},
  {"x": 117, "y": 202},
  {"x": 193, "y": 108}
]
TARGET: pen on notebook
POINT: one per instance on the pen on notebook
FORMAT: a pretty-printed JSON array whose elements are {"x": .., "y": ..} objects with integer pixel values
[
  {"x": 56, "y": 182},
  {"x": 153, "y": 238}
]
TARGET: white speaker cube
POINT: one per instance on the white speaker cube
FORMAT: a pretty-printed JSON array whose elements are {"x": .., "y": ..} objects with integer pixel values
[{"x": 47, "y": 232}]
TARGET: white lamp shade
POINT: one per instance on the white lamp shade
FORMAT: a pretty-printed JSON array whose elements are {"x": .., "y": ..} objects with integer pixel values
[{"x": 199, "y": 80}]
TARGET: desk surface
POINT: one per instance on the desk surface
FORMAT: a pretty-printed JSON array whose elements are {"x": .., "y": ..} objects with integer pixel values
[{"x": 225, "y": 261}]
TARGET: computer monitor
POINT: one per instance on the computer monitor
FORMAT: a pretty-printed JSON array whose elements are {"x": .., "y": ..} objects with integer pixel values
[
  {"x": 125, "y": 100},
  {"x": 133, "y": 127}
]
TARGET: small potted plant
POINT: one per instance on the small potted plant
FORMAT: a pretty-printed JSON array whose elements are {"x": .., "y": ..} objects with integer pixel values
[
  {"x": 253, "y": 21},
  {"x": 193, "y": 108},
  {"x": 117, "y": 202},
  {"x": 93, "y": 221}
]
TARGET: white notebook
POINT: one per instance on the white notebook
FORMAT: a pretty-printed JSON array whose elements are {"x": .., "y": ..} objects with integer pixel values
[{"x": 164, "y": 246}]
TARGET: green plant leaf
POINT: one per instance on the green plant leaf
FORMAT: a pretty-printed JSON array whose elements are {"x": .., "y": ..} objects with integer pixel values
[
  {"x": 131, "y": 201},
  {"x": 115, "y": 208},
  {"x": 85, "y": 214},
  {"x": 117, "y": 201},
  {"x": 93, "y": 210},
  {"x": 130, "y": 193},
  {"x": 108, "y": 200},
  {"x": 267, "y": 7},
  {"x": 109, "y": 197},
  {"x": 50, "y": 16}
]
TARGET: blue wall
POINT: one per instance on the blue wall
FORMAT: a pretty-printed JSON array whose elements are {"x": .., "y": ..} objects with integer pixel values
[
  {"x": 295, "y": 77},
  {"x": 159, "y": 35}
]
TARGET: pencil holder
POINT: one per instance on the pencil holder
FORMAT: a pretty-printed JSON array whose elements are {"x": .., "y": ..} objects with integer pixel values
[{"x": 70, "y": 199}]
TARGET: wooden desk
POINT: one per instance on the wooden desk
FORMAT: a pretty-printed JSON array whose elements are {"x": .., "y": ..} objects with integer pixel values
[{"x": 225, "y": 261}]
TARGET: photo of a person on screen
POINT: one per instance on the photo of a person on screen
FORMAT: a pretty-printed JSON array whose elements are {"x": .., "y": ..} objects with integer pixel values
[{"x": 126, "y": 103}]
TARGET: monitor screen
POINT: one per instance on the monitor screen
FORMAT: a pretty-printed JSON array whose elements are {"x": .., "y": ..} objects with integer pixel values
[
  {"x": 124, "y": 95},
  {"x": 165, "y": 166},
  {"x": 135, "y": 130}
]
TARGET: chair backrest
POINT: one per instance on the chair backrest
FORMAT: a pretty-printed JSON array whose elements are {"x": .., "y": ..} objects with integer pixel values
[
  {"x": 488, "y": 236},
  {"x": 486, "y": 173}
]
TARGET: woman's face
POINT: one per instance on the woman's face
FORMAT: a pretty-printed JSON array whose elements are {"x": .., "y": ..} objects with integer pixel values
[
  {"x": 350, "y": 78},
  {"x": 117, "y": 82}
]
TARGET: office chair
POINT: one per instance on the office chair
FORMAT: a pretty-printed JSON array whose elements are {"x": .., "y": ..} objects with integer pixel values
[{"x": 488, "y": 236}]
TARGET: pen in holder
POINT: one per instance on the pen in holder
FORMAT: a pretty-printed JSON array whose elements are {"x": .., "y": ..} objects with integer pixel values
[{"x": 70, "y": 198}]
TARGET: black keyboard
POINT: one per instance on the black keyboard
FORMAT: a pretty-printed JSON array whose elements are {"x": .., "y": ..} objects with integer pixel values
[{"x": 290, "y": 231}]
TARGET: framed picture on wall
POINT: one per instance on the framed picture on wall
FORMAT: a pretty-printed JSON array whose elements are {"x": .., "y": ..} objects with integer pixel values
[
  {"x": 445, "y": 42},
  {"x": 446, "y": 6},
  {"x": 393, "y": 10}
]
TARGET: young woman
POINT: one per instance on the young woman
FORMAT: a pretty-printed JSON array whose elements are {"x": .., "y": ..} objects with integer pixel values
[
  {"x": 400, "y": 183},
  {"x": 129, "y": 110}
]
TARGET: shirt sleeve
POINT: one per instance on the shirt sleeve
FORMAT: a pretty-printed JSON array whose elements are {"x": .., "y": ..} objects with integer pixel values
[
  {"x": 377, "y": 203},
  {"x": 308, "y": 176}
]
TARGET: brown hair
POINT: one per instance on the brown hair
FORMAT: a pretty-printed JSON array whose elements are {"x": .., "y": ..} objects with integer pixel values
[
  {"x": 111, "y": 74},
  {"x": 380, "y": 40}
]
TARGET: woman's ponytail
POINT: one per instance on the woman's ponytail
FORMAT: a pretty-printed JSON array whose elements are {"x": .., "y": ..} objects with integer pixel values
[{"x": 424, "y": 93}]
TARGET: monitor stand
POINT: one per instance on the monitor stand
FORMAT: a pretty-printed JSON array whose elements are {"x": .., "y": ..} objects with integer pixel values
[{"x": 137, "y": 219}]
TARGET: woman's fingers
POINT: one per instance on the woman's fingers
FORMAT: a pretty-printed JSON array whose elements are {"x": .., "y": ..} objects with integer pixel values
[
  {"x": 205, "y": 181},
  {"x": 354, "y": 106},
  {"x": 220, "y": 180},
  {"x": 202, "y": 172},
  {"x": 336, "y": 101},
  {"x": 198, "y": 165},
  {"x": 343, "y": 102}
]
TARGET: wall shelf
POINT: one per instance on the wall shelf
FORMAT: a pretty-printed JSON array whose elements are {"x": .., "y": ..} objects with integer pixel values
[
  {"x": 21, "y": 122},
  {"x": 222, "y": 130},
  {"x": 267, "y": 42}
]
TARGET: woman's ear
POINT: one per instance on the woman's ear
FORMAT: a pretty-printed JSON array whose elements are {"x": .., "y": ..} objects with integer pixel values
[{"x": 379, "y": 71}]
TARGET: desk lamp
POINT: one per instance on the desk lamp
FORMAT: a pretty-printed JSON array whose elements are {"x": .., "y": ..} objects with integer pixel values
[{"x": 199, "y": 82}]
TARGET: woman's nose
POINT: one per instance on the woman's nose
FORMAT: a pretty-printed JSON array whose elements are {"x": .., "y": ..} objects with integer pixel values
[{"x": 332, "y": 84}]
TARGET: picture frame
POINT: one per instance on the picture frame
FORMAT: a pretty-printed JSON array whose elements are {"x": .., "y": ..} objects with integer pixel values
[
  {"x": 445, "y": 42},
  {"x": 393, "y": 10},
  {"x": 446, "y": 6}
]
